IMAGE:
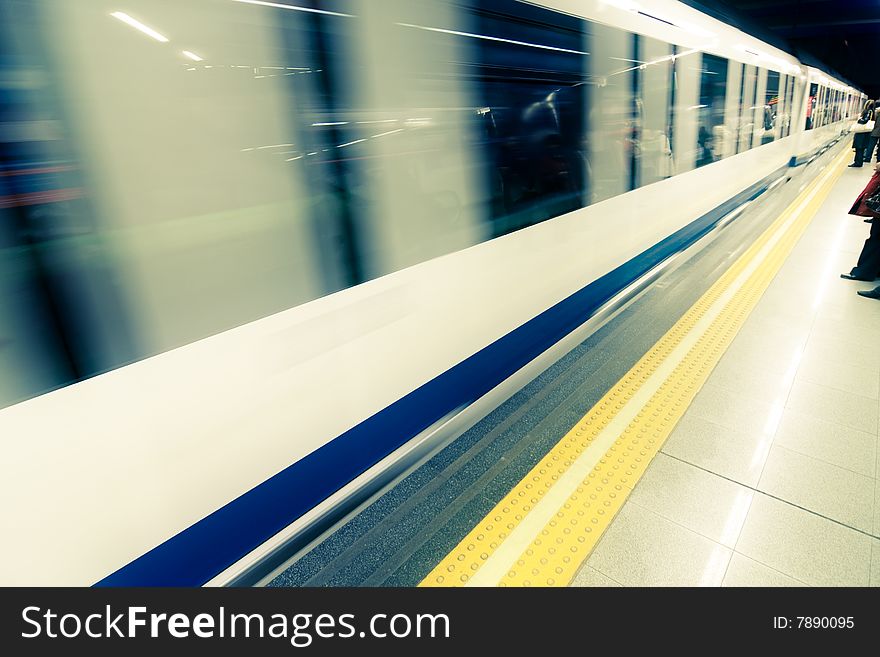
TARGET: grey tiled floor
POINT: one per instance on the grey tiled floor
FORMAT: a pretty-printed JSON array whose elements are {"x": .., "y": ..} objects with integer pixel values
[{"x": 771, "y": 477}]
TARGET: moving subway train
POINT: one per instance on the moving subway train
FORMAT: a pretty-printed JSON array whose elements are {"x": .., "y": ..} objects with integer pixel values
[{"x": 249, "y": 250}]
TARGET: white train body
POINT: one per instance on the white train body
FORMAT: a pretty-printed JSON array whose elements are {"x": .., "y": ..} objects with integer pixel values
[{"x": 115, "y": 478}]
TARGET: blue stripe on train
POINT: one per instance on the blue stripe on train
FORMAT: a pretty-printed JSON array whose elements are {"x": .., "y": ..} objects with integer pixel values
[{"x": 205, "y": 549}]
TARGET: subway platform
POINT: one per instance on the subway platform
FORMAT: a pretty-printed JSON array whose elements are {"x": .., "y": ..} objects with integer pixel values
[
  {"x": 770, "y": 477},
  {"x": 721, "y": 430}
]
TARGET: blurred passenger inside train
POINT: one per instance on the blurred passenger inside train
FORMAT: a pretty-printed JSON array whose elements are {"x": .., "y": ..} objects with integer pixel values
[
  {"x": 705, "y": 146},
  {"x": 769, "y": 122}
]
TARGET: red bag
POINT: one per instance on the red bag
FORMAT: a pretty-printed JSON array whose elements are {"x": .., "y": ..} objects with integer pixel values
[{"x": 859, "y": 208}]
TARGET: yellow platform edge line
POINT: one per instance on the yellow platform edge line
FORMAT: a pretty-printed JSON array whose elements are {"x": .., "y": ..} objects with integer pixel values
[{"x": 564, "y": 543}]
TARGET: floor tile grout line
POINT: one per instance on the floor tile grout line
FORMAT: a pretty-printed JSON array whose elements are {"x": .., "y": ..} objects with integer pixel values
[
  {"x": 844, "y": 392},
  {"x": 729, "y": 561},
  {"x": 871, "y": 566},
  {"x": 673, "y": 522},
  {"x": 769, "y": 567},
  {"x": 733, "y": 550},
  {"x": 604, "y": 574},
  {"x": 745, "y": 519},
  {"x": 816, "y": 458},
  {"x": 630, "y": 500},
  {"x": 785, "y": 406},
  {"x": 808, "y": 415},
  {"x": 847, "y": 392},
  {"x": 738, "y": 535},
  {"x": 775, "y": 497}
]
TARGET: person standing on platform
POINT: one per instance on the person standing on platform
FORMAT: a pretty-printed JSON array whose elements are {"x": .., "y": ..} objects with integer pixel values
[
  {"x": 873, "y": 137},
  {"x": 868, "y": 266},
  {"x": 860, "y": 139}
]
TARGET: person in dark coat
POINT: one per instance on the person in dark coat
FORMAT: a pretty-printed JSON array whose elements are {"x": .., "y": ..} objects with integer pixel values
[
  {"x": 868, "y": 266},
  {"x": 873, "y": 137},
  {"x": 860, "y": 139},
  {"x": 871, "y": 294}
]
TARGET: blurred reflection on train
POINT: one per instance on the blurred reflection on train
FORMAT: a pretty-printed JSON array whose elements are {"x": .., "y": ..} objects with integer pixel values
[
  {"x": 171, "y": 170},
  {"x": 229, "y": 177}
]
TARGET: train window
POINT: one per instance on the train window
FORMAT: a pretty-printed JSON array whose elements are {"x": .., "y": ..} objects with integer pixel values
[
  {"x": 738, "y": 120},
  {"x": 758, "y": 108},
  {"x": 534, "y": 109},
  {"x": 784, "y": 115},
  {"x": 794, "y": 102},
  {"x": 811, "y": 106},
  {"x": 203, "y": 223},
  {"x": 398, "y": 140},
  {"x": 712, "y": 133},
  {"x": 60, "y": 317},
  {"x": 817, "y": 107},
  {"x": 829, "y": 105},
  {"x": 653, "y": 152},
  {"x": 770, "y": 111},
  {"x": 746, "y": 126},
  {"x": 610, "y": 125},
  {"x": 782, "y": 108},
  {"x": 684, "y": 109},
  {"x": 825, "y": 104}
]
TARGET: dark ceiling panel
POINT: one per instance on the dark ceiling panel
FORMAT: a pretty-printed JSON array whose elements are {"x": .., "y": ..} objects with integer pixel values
[{"x": 842, "y": 35}]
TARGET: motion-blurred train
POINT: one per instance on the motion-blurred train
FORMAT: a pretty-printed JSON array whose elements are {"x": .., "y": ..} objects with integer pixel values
[{"x": 249, "y": 250}]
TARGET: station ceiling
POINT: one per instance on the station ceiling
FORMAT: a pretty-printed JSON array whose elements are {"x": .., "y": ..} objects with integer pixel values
[{"x": 841, "y": 36}]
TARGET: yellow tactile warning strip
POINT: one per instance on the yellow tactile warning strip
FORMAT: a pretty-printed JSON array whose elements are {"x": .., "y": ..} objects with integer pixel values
[{"x": 541, "y": 532}]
